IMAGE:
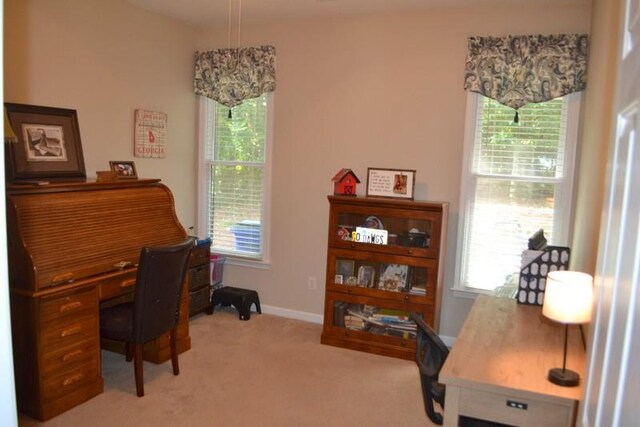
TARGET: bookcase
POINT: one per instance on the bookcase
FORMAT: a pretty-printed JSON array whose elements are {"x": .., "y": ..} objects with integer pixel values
[{"x": 371, "y": 287}]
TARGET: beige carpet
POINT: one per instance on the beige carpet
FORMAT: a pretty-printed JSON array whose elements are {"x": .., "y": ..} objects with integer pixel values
[{"x": 268, "y": 371}]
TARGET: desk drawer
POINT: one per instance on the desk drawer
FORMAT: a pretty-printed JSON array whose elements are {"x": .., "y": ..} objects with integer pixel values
[
  {"x": 199, "y": 300},
  {"x": 199, "y": 255},
  {"x": 199, "y": 276},
  {"x": 65, "y": 332},
  {"x": 495, "y": 407},
  {"x": 70, "y": 304},
  {"x": 116, "y": 286},
  {"x": 69, "y": 358},
  {"x": 57, "y": 385}
]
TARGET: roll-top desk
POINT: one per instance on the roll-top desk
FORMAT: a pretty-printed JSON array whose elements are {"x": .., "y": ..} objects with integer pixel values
[{"x": 73, "y": 247}]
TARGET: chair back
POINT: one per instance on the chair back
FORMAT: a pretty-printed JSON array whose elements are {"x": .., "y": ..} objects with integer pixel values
[
  {"x": 431, "y": 354},
  {"x": 160, "y": 278}
]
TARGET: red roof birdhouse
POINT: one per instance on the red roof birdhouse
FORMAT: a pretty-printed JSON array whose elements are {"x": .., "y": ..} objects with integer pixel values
[{"x": 344, "y": 183}]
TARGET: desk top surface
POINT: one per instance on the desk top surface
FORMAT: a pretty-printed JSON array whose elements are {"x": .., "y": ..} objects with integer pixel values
[{"x": 507, "y": 347}]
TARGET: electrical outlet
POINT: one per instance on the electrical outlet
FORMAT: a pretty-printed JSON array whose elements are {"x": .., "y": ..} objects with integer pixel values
[{"x": 312, "y": 283}]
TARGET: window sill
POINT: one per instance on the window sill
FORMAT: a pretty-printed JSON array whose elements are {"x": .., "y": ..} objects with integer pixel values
[
  {"x": 246, "y": 262},
  {"x": 469, "y": 293}
]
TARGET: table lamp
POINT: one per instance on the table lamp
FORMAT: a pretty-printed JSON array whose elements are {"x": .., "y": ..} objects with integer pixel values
[{"x": 568, "y": 298}]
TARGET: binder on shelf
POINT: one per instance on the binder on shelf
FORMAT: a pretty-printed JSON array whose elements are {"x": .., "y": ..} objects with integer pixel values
[{"x": 533, "y": 275}]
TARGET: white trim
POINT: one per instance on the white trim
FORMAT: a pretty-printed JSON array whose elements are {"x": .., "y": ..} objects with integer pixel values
[
  {"x": 318, "y": 318},
  {"x": 268, "y": 168},
  {"x": 204, "y": 178},
  {"x": 246, "y": 262},
  {"x": 563, "y": 224},
  {"x": 202, "y": 174},
  {"x": 473, "y": 100},
  {"x": 292, "y": 314}
]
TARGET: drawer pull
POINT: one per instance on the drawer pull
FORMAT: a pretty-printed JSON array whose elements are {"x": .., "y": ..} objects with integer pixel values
[
  {"x": 517, "y": 405},
  {"x": 410, "y": 251},
  {"x": 127, "y": 283},
  {"x": 72, "y": 355},
  {"x": 71, "y": 331},
  {"x": 72, "y": 379},
  {"x": 62, "y": 278},
  {"x": 71, "y": 306},
  {"x": 406, "y": 297}
]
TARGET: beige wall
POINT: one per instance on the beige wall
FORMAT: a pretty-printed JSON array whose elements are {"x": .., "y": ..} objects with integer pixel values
[
  {"x": 596, "y": 133},
  {"x": 370, "y": 91},
  {"x": 105, "y": 59},
  {"x": 352, "y": 92}
]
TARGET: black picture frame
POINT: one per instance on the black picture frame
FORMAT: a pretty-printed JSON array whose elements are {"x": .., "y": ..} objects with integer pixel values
[{"x": 49, "y": 145}]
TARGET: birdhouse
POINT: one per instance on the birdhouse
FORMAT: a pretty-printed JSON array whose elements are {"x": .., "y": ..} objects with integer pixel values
[{"x": 344, "y": 183}]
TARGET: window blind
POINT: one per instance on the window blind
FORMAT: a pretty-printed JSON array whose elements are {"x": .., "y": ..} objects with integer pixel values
[
  {"x": 235, "y": 154},
  {"x": 516, "y": 186}
]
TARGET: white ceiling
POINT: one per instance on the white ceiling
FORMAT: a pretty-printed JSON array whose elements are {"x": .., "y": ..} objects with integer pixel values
[{"x": 215, "y": 13}]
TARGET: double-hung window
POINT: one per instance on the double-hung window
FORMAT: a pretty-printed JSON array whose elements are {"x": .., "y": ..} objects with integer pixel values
[
  {"x": 517, "y": 178},
  {"x": 235, "y": 176}
]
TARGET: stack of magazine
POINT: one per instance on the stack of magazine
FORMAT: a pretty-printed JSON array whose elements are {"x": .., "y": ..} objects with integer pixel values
[{"x": 372, "y": 319}]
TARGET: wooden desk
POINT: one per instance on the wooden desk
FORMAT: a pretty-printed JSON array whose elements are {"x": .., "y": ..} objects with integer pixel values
[
  {"x": 502, "y": 355},
  {"x": 65, "y": 241}
]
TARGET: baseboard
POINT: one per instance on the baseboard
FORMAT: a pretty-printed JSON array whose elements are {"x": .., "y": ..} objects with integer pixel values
[
  {"x": 318, "y": 318},
  {"x": 292, "y": 314}
]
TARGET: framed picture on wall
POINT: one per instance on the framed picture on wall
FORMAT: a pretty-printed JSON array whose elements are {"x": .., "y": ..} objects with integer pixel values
[{"x": 48, "y": 144}]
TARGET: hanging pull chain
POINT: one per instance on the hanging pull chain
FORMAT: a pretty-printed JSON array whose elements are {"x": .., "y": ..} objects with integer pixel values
[
  {"x": 229, "y": 26},
  {"x": 239, "y": 21}
]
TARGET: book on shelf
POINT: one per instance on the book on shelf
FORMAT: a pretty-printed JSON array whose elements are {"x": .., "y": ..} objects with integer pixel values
[
  {"x": 391, "y": 314},
  {"x": 418, "y": 290}
]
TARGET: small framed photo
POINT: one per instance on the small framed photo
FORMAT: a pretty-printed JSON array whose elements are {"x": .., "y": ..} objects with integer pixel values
[
  {"x": 393, "y": 183},
  {"x": 352, "y": 280},
  {"x": 338, "y": 279},
  {"x": 124, "y": 169},
  {"x": 393, "y": 277},
  {"x": 345, "y": 267},
  {"x": 366, "y": 276}
]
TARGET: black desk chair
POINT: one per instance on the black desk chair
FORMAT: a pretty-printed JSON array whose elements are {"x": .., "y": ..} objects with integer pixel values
[
  {"x": 431, "y": 354},
  {"x": 155, "y": 307}
]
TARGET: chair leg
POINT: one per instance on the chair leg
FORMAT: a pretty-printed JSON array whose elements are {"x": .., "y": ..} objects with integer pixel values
[
  {"x": 137, "y": 366},
  {"x": 174, "y": 351},
  {"x": 128, "y": 354}
]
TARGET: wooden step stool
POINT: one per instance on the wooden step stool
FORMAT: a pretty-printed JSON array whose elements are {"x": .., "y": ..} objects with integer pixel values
[{"x": 241, "y": 299}]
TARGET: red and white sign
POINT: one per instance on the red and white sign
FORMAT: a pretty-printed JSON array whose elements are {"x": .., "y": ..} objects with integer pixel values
[{"x": 149, "y": 137}]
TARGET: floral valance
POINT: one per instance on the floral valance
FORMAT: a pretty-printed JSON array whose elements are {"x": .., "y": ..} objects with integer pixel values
[
  {"x": 230, "y": 76},
  {"x": 519, "y": 70}
]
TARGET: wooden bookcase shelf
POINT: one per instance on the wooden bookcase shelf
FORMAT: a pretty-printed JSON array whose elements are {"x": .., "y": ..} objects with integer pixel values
[{"x": 371, "y": 288}]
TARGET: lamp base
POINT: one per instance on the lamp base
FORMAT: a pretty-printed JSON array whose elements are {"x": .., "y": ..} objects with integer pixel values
[{"x": 564, "y": 377}]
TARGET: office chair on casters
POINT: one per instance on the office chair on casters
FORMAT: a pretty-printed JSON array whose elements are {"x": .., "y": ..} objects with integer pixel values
[
  {"x": 155, "y": 307},
  {"x": 431, "y": 353}
]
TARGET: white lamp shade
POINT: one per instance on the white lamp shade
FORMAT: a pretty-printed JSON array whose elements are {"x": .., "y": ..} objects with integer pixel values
[{"x": 568, "y": 297}]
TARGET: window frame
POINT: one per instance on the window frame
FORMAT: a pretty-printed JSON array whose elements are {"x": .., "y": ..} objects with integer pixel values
[
  {"x": 205, "y": 107},
  {"x": 469, "y": 178}
]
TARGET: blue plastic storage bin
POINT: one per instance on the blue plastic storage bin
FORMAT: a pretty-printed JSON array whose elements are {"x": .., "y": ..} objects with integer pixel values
[{"x": 247, "y": 236}]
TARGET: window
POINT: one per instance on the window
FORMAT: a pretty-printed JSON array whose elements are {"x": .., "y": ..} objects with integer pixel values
[
  {"x": 235, "y": 177},
  {"x": 516, "y": 179}
]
